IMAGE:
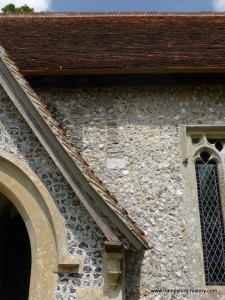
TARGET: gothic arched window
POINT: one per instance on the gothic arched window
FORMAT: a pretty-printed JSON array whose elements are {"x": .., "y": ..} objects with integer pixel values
[{"x": 211, "y": 216}]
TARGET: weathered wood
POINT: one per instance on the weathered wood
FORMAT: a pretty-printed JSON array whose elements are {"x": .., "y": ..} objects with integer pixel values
[
  {"x": 92, "y": 201},
  {"x": 114, "y": 247},
  {"x": 52, "y": 145}
]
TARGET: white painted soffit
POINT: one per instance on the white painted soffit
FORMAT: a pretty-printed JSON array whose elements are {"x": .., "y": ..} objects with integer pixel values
[{"x": 87, "y": 186}]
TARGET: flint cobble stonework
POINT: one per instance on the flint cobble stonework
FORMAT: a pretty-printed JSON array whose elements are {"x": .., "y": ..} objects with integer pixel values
[
  {"x": 85, "y": 240},
  {"x": 130, "y": 138}
]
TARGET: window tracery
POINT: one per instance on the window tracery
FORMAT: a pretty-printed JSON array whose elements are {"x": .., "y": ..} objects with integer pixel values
[{"x": 206, "y": 159}]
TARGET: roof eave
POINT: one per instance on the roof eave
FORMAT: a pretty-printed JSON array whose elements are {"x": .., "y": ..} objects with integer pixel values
[{"x": 128, "y": 70}]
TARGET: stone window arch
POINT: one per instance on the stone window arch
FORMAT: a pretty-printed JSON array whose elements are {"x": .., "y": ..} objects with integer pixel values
[
  {"x": 203, "y": 157},
  {"x": 211, "y": 216},
  {"x": 44, "y": 225}
]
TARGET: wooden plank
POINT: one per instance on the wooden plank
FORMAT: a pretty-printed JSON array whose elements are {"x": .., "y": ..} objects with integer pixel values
[
  {"x": 111, "y": 71},
  {"x": 51, "y": 144},
  {"x": 92, "y": 201}
]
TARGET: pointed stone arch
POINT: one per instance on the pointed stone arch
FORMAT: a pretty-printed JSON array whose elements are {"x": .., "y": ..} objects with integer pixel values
[{"x": 43, "y": 222}]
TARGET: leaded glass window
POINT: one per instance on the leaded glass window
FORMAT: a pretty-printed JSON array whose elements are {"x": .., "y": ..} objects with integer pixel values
[{"x": 211, "y": 219}]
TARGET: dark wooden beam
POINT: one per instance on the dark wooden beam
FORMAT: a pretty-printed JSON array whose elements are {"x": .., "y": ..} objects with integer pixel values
[
  {"x": 130, "y": 80},
  {"x": 119, "y": 71}
]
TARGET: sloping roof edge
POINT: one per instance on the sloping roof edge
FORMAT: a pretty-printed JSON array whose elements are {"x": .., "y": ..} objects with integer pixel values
[{"x": 87, "y": 186}]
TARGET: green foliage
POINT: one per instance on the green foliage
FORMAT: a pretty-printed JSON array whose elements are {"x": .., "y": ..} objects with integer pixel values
[{"x": 10, "y": 8}]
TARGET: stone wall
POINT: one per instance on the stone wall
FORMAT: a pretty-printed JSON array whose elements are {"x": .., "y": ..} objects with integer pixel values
[
  {"x": 85, "y": 239},
  {"x": 130, "y": 138}
]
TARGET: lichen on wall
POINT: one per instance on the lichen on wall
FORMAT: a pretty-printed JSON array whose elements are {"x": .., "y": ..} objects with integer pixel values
[{"x": 130, "y": 138}]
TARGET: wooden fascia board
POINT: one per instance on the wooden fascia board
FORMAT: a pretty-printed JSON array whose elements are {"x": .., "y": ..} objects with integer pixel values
[
  {"x": 50, "y": 143},
  {"x": 64, "y": 162},
  {"x": 111, "y": 71}
]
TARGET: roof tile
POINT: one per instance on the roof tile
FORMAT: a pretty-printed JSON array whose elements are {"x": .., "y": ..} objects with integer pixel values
[{"x": 73, "y": 41}]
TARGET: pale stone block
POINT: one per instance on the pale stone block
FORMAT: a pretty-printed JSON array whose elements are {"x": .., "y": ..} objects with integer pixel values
[{"x": 116, "y": 163}]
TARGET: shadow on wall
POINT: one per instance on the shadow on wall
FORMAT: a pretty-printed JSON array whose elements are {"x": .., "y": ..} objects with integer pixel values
[
  {"x": 133, "y": 262},
  {"x": 84, "y": 237}
]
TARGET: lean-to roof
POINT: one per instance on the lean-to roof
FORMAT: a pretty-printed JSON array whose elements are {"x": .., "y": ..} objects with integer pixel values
[
  {"x": 87, "y": 186},
  {"x": 115, "y": 42}
]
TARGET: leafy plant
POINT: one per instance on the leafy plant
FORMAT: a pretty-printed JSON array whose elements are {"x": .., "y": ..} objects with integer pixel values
[{"x": 11, "y": 8}]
